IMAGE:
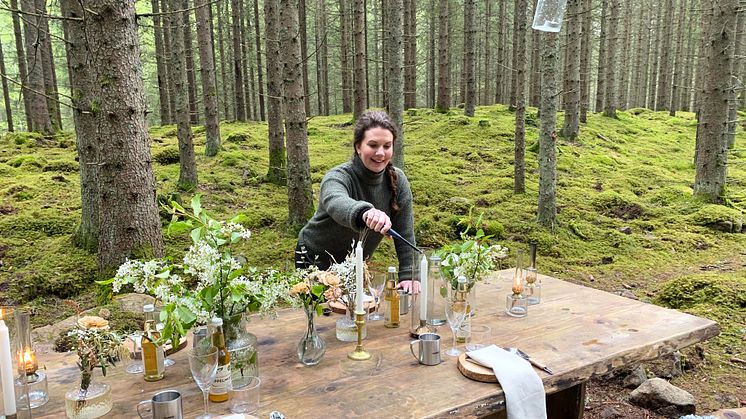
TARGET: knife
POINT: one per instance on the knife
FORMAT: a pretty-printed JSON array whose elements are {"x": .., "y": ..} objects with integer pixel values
[{"x": 531, "y": 360}]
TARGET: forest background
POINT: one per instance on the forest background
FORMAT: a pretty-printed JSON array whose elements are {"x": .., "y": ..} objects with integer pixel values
[{"x": 638, "y": 188}]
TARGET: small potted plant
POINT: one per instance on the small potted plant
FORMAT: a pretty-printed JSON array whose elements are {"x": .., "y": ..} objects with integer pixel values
[{"x": 97, "y": 347}]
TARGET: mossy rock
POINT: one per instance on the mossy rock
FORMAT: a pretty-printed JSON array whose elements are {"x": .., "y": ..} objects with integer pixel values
[
  {"x": 493, "y": 228},
  {"x": 456, "y": 205},
  {"x": 232, "y": 158},
  {"x": 45, "y": 223},
  {"x": 28, "y": 162},
  {"x": 65, "y": 166},
  {"x": 614, "y": 204},
  {"x": 23, "y": 138},
  {"x": 718, "y": 217},
  {"x": 65, "y": 143},
  {"x": 238, "y": 137},
  {"x": 167, "y": 156},
  {"x": 710, "y": 289},
  {"x": 431, "y": 233},
  {"x": 459, "y": 120}
]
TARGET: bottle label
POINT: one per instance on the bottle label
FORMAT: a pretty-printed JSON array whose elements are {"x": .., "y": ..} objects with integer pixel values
[
  {"x": 392, "y": 312},
  {"x": 152, "y": 356},
  {"x": 222, "y": 380}
]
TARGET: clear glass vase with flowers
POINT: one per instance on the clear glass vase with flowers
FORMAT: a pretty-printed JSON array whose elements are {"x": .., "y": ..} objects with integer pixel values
[
  {"x": 346, "y": 329},
  {"x": 209, "y": 281}
]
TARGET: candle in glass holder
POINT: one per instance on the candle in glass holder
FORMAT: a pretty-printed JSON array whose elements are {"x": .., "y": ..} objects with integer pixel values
[
  {"x": 6, "y": 369},
  {"x": 516, "y": 304},
  {"x": 27, "y": 358}
]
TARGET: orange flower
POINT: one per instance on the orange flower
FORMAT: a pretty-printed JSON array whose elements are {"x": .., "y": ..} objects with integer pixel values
[
  {"x": 93, "y": 323},
  {"x": 329, "y": 279},
  {"x": 299, "y": 288}
]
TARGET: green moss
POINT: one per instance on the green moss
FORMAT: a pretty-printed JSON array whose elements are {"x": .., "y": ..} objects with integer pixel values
[
  {"x": 232, "y": 158},
  {"x": 238, "y": 137},
  {"x": 168, "y": 155},
  {"x": 37, "y": 223},
  {"x": 718, "y": 215},
  {"x": 618, "y": 205},
  {"x": 28, "y": 162},
  {"x": 61, "y": 166}
]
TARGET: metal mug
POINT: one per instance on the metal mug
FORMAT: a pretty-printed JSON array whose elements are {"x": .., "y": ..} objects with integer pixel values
[
  {"x": 164, "y": 405},
  {"x": 428, "y": 349},
  {"x": 404, "y": 301}
]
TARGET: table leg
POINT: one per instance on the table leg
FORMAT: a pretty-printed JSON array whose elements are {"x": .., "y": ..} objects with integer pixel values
[{"x": 568, "y": 403}]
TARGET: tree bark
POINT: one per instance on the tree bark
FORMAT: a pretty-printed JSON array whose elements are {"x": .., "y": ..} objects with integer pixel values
[
  {"x": 535, "y": 72},
  {"x": 611, "y": 61},
  {"x": 602, "y": 59},
  {"x": 410, "y": 54},
  {"x": 487, "y": 64},
  {"x": 248, "y": 70},
  {"x": 129, "y": 222},
  {"x": 22, "y": 65},
  {"x": 547, "y": 207},
  {"x": 240, "y": 105},
  {"x": 519, "y": 165},
  {"x": 361, "y": 101},
  {"x": 300, "y": 195},
  {"x": 6, "y": 93},
  {"x": 395, "y": 55},
  {"x": 443, "y": 102},
  {"x": 277, "y": 172},
  {"x": 40, "y": 118},
  {"x": 655, "y": 44},
  {"x": 207, "y": 70},
  {"x": 50, "y": 75},
  {"x": 470, "y": 31},
  {"x": 663, "y": 99},
  {"x": 259, "y": 68},
  {"x": 431, "y": 58},
  {"x": 586, "y": 49},
  {"x": 571, "y": 125},
  {"x": 167, "y": 60},
  {"x": 678, "y": 66},
  {"x": 733, "y": 102},
  {"x": 224, "y": 82},
  {"x": 160, "y": 60},
  {"x": 304, "y": 53},
  {"x": 712, "y": 156},
  {"x": 322, "y": 63},
  {"x": 345, "y": 24},
  {"x": 189, "y": 57},
  {"x": 187, "y": 165}
]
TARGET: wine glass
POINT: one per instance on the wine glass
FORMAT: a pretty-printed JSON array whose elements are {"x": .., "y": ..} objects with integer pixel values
[
  {"x": 136, "y": 367},
  {"x": 375, "y": 286},
  {"x": 455, "y": 314},
  {"x": 204, "y": 365},
  {"x": 167, "y": 362}
]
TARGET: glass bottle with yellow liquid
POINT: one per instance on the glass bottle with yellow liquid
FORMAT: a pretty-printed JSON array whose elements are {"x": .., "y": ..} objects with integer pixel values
[
  {"x": 391, "y": 300},
  {"x": 152, "y": 352},
  {"x": 221, "y": 387}
]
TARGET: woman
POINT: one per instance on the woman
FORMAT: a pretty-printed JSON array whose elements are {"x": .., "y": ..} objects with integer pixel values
[{"x": 365, "y": 192}]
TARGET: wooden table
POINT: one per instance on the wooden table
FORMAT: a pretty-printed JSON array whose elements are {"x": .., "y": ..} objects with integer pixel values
[{"x": 577, "y": 331}]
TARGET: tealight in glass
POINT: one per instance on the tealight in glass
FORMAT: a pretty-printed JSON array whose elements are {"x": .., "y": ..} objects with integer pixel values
[{"x": 516, "y": 304}]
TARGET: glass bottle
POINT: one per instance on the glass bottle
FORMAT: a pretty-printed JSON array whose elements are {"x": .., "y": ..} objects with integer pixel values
[
  {"x": 461, "y": 295},
  {"x": 152, "y": 353},
  {"x": 391, "y": 299},
  {"x": 219, "y": 389},
  {"x": 437, "y": 293}
]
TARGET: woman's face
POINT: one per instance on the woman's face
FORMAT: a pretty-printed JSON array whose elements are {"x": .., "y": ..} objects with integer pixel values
[{"x": 376, "y": 148}]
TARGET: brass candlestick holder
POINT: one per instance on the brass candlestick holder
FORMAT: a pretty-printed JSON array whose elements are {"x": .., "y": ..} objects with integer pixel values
[{"x": 359, "y": 354}]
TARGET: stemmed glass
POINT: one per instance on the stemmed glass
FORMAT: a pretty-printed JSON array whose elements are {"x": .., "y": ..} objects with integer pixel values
[
  {"x": 167, "y": 362},
  {"x": 204, "y": 365},
  {"x": 375, "y": 286},
  {"x": 136, "y": 367},
  {"x": 455, "y": 314}
]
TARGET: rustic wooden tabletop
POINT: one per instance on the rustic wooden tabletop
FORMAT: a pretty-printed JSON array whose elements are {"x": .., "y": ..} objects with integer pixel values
[{"x": 577, "y": 331}]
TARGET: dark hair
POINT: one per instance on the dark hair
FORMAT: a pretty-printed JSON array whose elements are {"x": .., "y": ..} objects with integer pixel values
[{"x": 378, "y": 119}]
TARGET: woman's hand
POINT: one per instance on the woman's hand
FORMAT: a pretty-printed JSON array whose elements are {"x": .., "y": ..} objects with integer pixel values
[
  {"x": 411, "y": 287},
  {"x": 377, "y": 220}
]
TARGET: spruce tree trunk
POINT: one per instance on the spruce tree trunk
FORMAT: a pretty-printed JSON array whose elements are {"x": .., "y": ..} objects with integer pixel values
[
  {"x": 395, "y": 55},
  {"x": 410, "y": 54},
  {"x": 639, "y": 71},
  {"x": 240, "y": 101},
  {"x": 360, "y": 99},
  {"x": 663, "y": 99},
  {"x": 259, "y": 67},
  {"x": 304, "y": 53},
  {"x": 733, "y": 102},
  {"x": 207, "y": 70},
  {"x": 571, "y": 125},
  {"x": 323, "y": 55},
  {"x": 431, "y": 58},
  {"x": 547, "y": 207},
  {"x": 602, "y": 59},
  {"x": 187, "y": 165},
  {"x": 470, "y": 35},
  {"x": 678, "y": 66},
  {"x": 535, "y": 67},
  {"x": 167, "y": 48},
  {"x": 712, "y": 156},
  {"x": 655, "y": 45},
  {"x": 625, "y": 53},
  {"x": 586, "y": 49},
  {"x": 691, "y": 53},
  {"x": 129, "y": 222},
  {"x": 224, "y": 82},
  {"x": 611, "y": 61},
  {"x": 345, "y": 35},
  {"x": 377, "y": 54},
  {"x": 40, "y": 118},
  {"x": 160, "y": 60},
  {"x": 501, "y": 40},
  {"x": 248, "y": 71},
  {"x": 443, "y": 102},
  {"x": 519, "y": 169},
  {"x": 277, "y": 172},
  {"x": 85, "y": 118},
  {"x": 6, "y": 93},
  {"x": 486, "y": 96},
  {"x": 300, "y": 195},
  {"x": 189, "y": 59},
  {"x": 47, "y": 59},
  {"x": 22, "y": 69}
]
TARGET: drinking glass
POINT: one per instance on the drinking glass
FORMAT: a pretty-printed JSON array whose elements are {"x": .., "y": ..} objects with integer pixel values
[
  {"x": 479, "y": 336},
  {"x": 167, "y": 362},
  {"x": 245, "y": 394},
  {"x": 136, "y": 366},
  {"x": 376, "y": 289},
  {"x": 455, "y": 314},
  {"x": 204, "y": 365}
]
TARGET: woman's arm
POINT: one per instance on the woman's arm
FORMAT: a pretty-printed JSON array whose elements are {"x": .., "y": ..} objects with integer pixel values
[{"x": 335, "y": 199}]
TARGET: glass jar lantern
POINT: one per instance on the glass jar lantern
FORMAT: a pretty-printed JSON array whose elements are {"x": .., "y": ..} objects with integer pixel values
[
  {"x": 436, "y": 294},
  {"x": 30, "y": 382},
  {"x": 549, "y": 15}
]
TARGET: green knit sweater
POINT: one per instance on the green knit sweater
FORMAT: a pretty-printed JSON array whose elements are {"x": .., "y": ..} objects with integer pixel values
[{"x": 347, "y": 191}]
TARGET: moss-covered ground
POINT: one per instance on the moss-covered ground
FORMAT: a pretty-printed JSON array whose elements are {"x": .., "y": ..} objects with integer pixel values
[{"x": 627, "y": 218}]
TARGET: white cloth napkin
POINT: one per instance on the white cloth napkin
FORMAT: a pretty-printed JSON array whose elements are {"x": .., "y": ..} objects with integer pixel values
[{"x": 523, "y": 389}]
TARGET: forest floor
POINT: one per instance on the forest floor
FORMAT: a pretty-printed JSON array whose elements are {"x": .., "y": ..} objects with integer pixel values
[{"x": 627, "y": 221}]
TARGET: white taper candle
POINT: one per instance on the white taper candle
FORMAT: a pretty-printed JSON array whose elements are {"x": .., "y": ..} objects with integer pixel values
[
  {"x": 6, "y": 371},
  {"x": 423, "y": 288},
  {"x": 359, "y": 278}
]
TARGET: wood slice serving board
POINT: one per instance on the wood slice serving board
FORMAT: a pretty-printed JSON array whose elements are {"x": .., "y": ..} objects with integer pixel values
[
  {"x": 474, "y": 371},
  {"x": 340, "y": 308}
]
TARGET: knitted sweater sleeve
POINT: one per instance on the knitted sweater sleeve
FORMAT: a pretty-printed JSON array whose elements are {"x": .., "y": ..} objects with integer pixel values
[
  {"x": 335, "y": 197},
  {"x": 403, "y": 223}
]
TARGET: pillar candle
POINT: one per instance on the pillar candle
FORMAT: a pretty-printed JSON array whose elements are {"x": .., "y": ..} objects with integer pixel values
[
  {"x": 6, "y": 371},
  {"x": 423, "y": 288},
  {"x": 359, "y": 278}
]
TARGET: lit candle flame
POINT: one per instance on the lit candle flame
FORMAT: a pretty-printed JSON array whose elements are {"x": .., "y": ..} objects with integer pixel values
[{"x": 28, "y": 359}]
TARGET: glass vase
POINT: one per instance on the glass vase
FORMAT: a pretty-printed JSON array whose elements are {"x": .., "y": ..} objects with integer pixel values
[
  {"x": 463, "y": 332},
  {"x": 89, "y": 400},
  {"x": 346, "y": 329},
  {"x": 242, "y": 346},
  {"x": 311, "y": 347}
]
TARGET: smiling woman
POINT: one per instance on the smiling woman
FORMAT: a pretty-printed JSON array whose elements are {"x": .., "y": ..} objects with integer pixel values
[{"x": 365, "y": 192}]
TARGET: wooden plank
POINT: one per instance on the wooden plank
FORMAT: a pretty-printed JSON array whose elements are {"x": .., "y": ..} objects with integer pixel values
[{"x": 578, "y": 332}]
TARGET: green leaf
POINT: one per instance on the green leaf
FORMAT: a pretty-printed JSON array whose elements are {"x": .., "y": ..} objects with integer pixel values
[
  {"x": 178, "y": 226},
  {"x": 163, "y": 275},
  {"x": 196, "y": 234},
  {"x": 235, "y": 237},
  {"x": 220, "y": 242},
  {"x": 238, "y": 219},
  {"x": 197, "y": 205},
  {"x": 175, "y": 205},
  {"x": 105, "y": 281},
  {"x": 319, "y": 310},
  {"x": 235, "y": 274},
  {"x": 186, "y": 315},
  {"x": 317, "y": 290}
]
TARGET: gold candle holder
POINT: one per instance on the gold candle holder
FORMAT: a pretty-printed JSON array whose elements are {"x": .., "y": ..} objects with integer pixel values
[{"x": 359, "y": 354}]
